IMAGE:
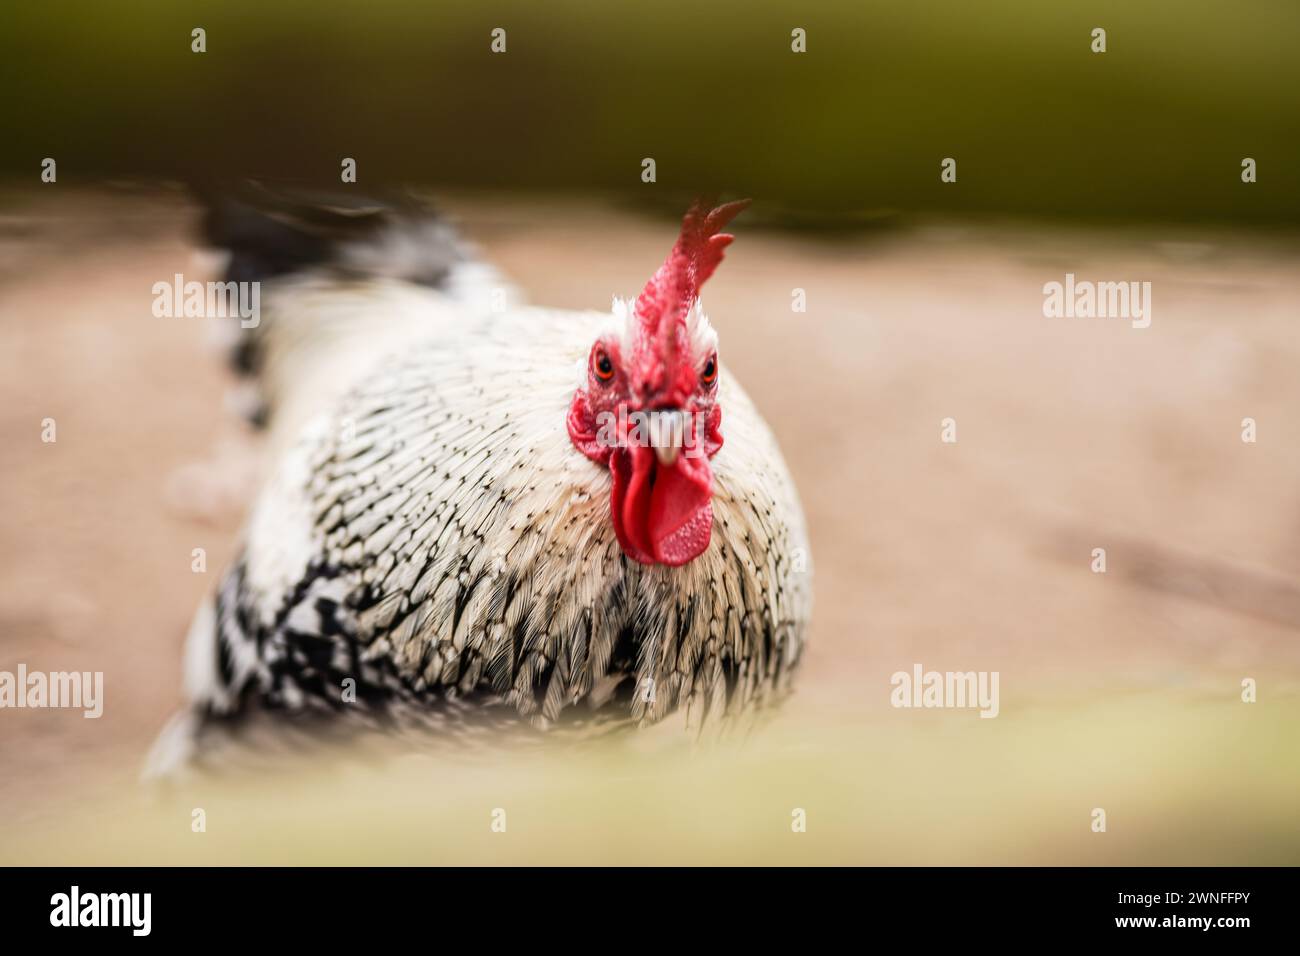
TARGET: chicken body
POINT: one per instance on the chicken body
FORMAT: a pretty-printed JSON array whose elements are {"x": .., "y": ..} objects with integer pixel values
[{"x": 431, "y": 540}]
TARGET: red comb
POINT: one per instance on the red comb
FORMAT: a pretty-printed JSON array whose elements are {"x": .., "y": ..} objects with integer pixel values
[{"x": 672, "y": 290}]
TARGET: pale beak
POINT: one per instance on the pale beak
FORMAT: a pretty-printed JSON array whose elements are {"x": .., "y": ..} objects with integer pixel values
[{"x": 667, "y": 429}]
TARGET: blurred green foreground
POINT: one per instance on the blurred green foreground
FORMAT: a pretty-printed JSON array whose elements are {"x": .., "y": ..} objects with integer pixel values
[{"x": 1182, "y": 782}]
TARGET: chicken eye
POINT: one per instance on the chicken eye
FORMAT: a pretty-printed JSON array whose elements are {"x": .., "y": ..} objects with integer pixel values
[
  {"x": 604, "y": 368},
  {"x": 710, "y": 373}
]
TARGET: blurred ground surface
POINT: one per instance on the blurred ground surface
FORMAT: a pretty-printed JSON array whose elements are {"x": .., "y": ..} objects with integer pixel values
[{"x": 1118, "y": 690}]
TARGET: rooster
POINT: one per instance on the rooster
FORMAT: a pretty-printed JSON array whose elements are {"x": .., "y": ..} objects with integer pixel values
[{"x": 484, "y": 514}]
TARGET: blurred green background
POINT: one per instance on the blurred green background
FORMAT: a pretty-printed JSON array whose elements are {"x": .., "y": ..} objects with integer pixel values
[{"x": 1155, "y": 128}]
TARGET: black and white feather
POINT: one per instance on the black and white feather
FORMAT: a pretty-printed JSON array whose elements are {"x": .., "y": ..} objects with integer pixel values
[{"x": 431, "y": 540}]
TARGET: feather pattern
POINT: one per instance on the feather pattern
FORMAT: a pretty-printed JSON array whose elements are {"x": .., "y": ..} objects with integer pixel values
[{"x": 431, "y": 535}]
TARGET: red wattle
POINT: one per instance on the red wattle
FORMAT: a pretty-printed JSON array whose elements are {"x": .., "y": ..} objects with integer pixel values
[{"x": 661, "y": 513}]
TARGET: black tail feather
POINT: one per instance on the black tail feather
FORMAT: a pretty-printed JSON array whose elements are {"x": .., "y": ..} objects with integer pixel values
[{"x": 278, "y": 231}]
